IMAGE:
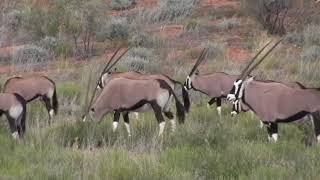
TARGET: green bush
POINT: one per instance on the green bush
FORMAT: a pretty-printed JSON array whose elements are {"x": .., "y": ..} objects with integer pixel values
[
  {"x": 13, "y": 20},
  {"x": 228, "y": 24},
  {"x": 311, "y": 53},
  {"x": 116, "y": 29},
  {"x": 48, "y": 43},
  {"x": 294, "y": 38},
  {"x": 30, "y": 54},
  {"x": 63, "y": 49},
  {"x": 122, "y": 4},
  {"x": 192, "y": 26},
  {"x": 172, "y": 10},
  {"x": 312, "y": 35},
  {"x": 214, "y": 49},
  {"x": 143, "y": 39}
]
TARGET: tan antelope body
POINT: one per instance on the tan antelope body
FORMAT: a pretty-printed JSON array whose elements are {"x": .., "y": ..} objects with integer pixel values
[
  {"x": 215, "y": 85},
  {"x": 14, "y": 107},
  {"x": 123, "y": 95},
  {"x": 32, "y": 87},
  {"x": 276, "y": 102},
  {"x": 105, "y": 78}
]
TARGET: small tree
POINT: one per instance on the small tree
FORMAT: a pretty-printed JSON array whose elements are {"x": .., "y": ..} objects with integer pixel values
[{"x": 270, "y": 13}]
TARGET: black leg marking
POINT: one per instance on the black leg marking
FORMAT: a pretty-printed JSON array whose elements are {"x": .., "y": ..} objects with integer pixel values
[
  {"x": 169, "y": 115},
  {"x": 12, "y": 123},
  {"x": 272, "y": 129},
  {"x": 47, "y": 102},
  {"x": 316, "y": 122},
  {"x": 218, "y": 102},
  {"x": 157, "y": 111},
  {"x": 126, "y": 117},
  {"x": 212, "y": 100},
  {"x": 116, "y": 116}
]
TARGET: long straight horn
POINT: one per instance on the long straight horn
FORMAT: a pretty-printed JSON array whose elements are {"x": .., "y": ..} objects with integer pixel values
[
  {"x": 260, "y": 60},
  {"x": 200, "y": 58},
  {"x": 253, "y": 59},
  {"x": 115, "y": 62},
  {"x": 114, "y": 54}
]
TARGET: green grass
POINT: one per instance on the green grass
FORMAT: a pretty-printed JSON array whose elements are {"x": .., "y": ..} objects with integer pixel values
[{"x": 205, "y": 147}]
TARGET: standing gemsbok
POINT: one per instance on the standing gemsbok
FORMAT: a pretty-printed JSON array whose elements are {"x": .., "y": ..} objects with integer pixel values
[
  {"x": 32, "y": 87},
  {"x": 123, "y": 95},
  {"x": 275, "y": 102},
  {"x": 215, "y": 85},
  {"x": 14, "y": 107},
  {"x": 105, "y": 78}
]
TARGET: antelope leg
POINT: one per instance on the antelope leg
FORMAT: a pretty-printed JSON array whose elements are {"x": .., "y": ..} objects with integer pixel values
[
  {"x": 126, "y": 122},
  {"x": 273, "y": 132},
  {"x": 116, "y": 118}
]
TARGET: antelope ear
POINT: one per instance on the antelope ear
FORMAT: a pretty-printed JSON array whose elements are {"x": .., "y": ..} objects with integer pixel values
[
  {"x": 250, "y": 79},
  {"x": 197, "y": 72}
]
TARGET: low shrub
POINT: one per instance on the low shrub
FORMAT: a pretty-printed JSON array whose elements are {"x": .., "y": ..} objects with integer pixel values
[
  {"x": 30, "y": 54},
  {"x": 63, "y": 49},
  {"x": 122, "y": 4},
  {"x": 312, "y": 35},
  {"x": 48, "y": 43},
  {"x": 172, "y": 10},
  {"x": 311, "y": 54},
  {"x": 214, "y": 49},
  {"x": 228, "y": 24}
]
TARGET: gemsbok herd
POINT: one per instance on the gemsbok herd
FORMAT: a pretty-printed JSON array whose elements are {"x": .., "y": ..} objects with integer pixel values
[{"x": 122, "y": 93}]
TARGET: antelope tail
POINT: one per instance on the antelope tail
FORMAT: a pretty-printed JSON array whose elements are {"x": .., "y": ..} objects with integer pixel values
[
  {"x": 55, "y": 103},
  {"x": 179, "y": 106},
  {"x": 186, "y": 99}
]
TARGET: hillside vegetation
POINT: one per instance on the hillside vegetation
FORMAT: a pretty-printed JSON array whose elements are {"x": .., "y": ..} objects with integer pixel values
[{"x": 70, "y": 42}]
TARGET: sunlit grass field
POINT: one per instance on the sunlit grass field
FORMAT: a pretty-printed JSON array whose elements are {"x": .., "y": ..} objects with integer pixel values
[{"x": 205, "y": 147}]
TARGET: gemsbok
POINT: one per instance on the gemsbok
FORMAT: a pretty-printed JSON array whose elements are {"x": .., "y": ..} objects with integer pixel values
[
  {"x": 215, "y": 85},
  {"x": 32, "y": 87},
  {"x": 123, "y": 95},
  {"x": 14, "y": 108},
  {"x": 275, "y": 102},
  {"x": 139, "y": 76}
]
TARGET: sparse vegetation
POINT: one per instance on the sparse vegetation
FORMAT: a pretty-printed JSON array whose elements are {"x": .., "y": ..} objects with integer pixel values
[
  {"x": 214, "y": 49},
  {"x": 30, "y": 54},
  {"x": 172, "y": 10},
  {"x": 122, "y": 4},
  {"x": 165, "y": 36},
  {"x": 228, "y": 24}
]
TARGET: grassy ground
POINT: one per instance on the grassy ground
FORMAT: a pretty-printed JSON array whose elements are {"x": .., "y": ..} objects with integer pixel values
[{"x": 205, "y": 147}]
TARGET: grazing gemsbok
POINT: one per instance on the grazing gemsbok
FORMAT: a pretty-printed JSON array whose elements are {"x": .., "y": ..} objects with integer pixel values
[
  {"x": 136, "y": 75},
  {"x": 14, "y": 107},
  {"x": 275, "y": 102},
  {"x": 216, "y": 85},
  {"x": 123, "y": 95},
  {"x": 32, "y": 87}
]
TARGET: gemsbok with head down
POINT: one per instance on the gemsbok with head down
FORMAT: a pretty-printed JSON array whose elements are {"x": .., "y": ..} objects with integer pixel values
[
  {"x": 32, "y": 87},
  {"x": 275, "y": 102},
  {"x": 124, "y": 95},
  {"x": 107, "y": 77},
  {"x": 13, "y": 106},
  {"x": 215, "y": 85}
]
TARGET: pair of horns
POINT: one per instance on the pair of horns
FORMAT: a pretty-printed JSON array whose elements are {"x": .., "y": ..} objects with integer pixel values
[
  {"x": 108, "y": 66},
  {"x": 199, "y": 60},
  {"x": 105, "y": 69},
  {"x": 247, "y": 70}
]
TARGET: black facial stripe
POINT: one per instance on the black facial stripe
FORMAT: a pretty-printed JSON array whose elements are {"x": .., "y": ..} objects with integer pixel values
[{"x": 238, "y": 91}]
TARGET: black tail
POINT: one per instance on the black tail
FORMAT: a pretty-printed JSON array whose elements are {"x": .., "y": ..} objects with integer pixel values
[
  {"x": 179, "y": 106},
  {"x": 55, "y": 103},
  {"x": 186, "y": 99},
  {"x": 185, "y": 94}
]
